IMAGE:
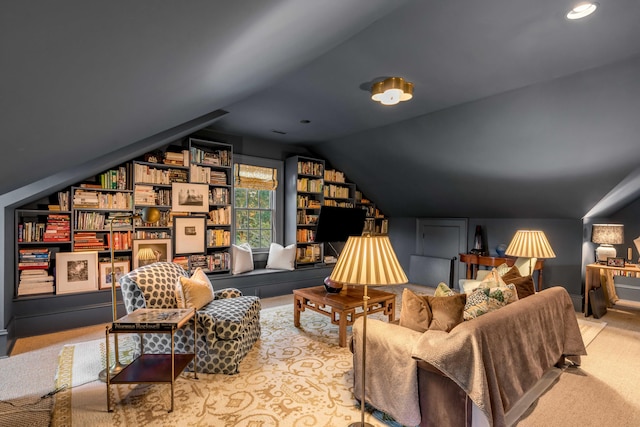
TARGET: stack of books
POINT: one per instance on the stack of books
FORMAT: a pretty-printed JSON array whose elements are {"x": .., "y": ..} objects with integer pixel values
[
  {"x": 58, "y": 228},
  {"x": 178, "y": 159},
  {"x": 88, "y": 241},
  {"x": 35, "y": 282}
]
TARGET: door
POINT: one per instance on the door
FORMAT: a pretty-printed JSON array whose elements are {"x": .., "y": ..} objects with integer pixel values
[{"x": 445, "y": 238}]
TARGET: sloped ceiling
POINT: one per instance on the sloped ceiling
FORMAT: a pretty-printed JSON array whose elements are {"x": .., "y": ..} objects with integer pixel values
[{"x": 516, "y": 111}]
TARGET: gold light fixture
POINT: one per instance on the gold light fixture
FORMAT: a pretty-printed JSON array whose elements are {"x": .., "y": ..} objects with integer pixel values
[
  {"x": 148, "y": 215},
  {"x": 367, "y": 261},
  {"x": 530, "y": 244},
  {"x": 392, "y": 90}
]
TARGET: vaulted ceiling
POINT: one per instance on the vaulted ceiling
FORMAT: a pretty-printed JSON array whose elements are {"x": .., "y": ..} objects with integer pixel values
[{"x": 517, "y": 111}]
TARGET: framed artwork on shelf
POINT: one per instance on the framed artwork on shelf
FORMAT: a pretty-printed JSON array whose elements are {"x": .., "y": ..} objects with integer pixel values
[
  {"x": 149, "y": 251},
  {"x": 188, "y": 197},
  {"x": 121, "y": 268},
  {"x": 189, "y": 234},
  {"x": 76, "y": 272},
  {"x": 615, "y": 262}
]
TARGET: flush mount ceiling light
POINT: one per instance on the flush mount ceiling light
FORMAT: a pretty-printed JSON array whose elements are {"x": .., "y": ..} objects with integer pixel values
[
  {"x": 582, "y": 10},
  {"x": 392, "y": 90}
]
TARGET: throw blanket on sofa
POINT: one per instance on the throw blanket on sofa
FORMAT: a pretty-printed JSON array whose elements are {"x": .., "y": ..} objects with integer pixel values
[
  {"x": 494, "y": 358},
  {"x": 497, "y": 357}
]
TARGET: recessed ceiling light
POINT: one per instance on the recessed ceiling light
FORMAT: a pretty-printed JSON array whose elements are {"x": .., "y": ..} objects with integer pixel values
[
  {"x": 582, "y": 10},
  {"x": 305, "y": 122}
]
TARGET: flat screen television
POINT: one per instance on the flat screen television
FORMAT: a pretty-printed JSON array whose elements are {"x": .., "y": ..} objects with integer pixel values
[{"x": 337, "y": 224}]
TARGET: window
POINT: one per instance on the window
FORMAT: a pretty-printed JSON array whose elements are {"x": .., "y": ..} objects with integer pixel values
[{"x": 255, "y": 205}]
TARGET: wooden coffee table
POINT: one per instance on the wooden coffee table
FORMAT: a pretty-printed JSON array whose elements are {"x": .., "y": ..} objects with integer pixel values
[{"x": 342, "y": 305}]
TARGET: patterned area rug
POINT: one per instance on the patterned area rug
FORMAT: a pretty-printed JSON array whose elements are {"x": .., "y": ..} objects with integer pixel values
[{"x": 292, "y": 377}]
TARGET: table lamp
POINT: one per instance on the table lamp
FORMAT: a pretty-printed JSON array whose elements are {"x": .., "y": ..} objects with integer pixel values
[
  {"x": 606, "y": 235},
  {"x": 367, "y": 261},
  {"x": 530, "y": 244},
  {"x": 149, "y": 215}
]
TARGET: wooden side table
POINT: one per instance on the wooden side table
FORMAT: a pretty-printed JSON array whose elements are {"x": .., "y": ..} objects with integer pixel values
[
  {"x": 153, "y": 368},
  {"x": 592, "y": 280},
  {"x": 343, "y": 305},
  {"x": 474, "y": 261}
]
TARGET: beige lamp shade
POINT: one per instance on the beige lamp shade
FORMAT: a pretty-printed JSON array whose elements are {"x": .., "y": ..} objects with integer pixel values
[
  {"x": 530, "y": 244},
  {"x": 146, "y": 254},
  {"x": 610, "y": 234},
  {"x": 368, "y": 260}
]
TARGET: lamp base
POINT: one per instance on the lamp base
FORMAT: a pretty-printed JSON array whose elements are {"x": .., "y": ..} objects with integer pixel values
[
  {"x": 603, "y": 252},
  {"x": 112, "y": 371},
  {"x": 360, "y": 424}
]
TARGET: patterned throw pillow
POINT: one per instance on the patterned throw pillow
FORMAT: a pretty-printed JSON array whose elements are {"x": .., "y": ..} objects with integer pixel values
[
  {"x": 485, "y": 300},
  {"x": 444, "y": 291}
]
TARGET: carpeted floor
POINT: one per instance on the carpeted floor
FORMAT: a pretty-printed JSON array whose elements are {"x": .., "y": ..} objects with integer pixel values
[{"x": 292, "y": 377}]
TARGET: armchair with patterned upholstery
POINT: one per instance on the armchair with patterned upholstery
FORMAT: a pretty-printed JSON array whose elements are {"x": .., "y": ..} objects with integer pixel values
[{"x": 227, "y": 327}]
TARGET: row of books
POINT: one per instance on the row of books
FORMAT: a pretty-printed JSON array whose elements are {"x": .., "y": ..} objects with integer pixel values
[
  {"x": 308, "y": 253},
  {"x": 220, "y": 216},
  {"x": 219, "y": 196},
  {"x": 116, "y": 179},
  {"x": 176, "y": 158},
  {"x": 304, "y": 235},
  {"x": 303, "y": 218},
  {"x": 149, "y": 175},
  {"x": 152, "y": 234},
  {"x": 211, "y": 157},
  {"x": 31, "y": 231},
  {"x": 338, "y": 204},
  {"x": 219, "y": 261},
  {"x": 336, "y": 191},
  {"x": 310, "y": 168},
  {"x": 98, "y": 200},
  {"x": 309, "y": 185},
  {"x": 308, "y": 202},
  {"x": 334, "y": 175},
  {"x": 147, "y": 195},
  {"x": 218, "y": 237}
]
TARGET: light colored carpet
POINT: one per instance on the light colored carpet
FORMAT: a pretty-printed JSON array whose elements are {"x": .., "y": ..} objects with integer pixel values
[{"x": 292, "y": 377}]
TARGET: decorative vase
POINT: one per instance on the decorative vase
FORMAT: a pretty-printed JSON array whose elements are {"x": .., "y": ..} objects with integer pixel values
[
  {"x": 500, "y": 249},
  {"x": 331, "y": 286}
]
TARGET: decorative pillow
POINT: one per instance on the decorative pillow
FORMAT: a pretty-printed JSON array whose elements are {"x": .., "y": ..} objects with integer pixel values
[
  {"x": 493, "y": 280},
  {"x": 525, "y": 265},
  {"x": 242, "y": 258},
  {"x": 446, "y": 312},
  {"x": 485, "y": 300},
  {"x": 201, "y": 276},
  {"x": 481, "y": 274},
  {"x": 281, "y": 258},
  {"x": 524, "y": 284},
  {"x": 196, "y": 293},
  {"x": 415, "y": 312},
  {"x": 502, "y": 269},
  {"x": 198, "y": 275},
  {"x": 469, "y": 285},
  {"x": 177, "y": 290},
  {"x": 444, "y": 291}
]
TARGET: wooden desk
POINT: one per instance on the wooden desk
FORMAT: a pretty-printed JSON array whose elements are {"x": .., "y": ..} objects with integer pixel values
[
  {"x": 596, "y": 274},
  {"x": 474, "y": 261}
]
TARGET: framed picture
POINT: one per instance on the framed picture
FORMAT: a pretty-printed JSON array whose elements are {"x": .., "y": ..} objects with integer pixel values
[
  {"x": 121, "y": 268},
  {"x": 615, "y": 261},
  {"x": 189, "y": 234},
  {"x": 151, "y": 250},
  {"x": 188, "y": 197},
  {"x": 76, "y": 272}
]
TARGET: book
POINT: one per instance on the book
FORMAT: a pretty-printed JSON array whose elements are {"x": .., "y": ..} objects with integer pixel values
[{"x": 151, "y": 319}]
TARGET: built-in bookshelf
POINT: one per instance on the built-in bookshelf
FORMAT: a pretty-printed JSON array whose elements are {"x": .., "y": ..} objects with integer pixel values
[
  {"x": 212, "y": 164},
  {"x": 375, "y": 221},
  {"x": 303, "y": 200}
]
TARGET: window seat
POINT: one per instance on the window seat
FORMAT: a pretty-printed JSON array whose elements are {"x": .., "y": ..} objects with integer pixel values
[{"x": 266, "y": 283}]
